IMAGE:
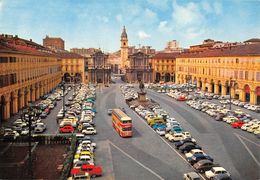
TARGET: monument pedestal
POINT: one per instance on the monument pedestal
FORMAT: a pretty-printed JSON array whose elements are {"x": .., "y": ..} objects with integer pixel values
[{"x": 141, "y": 96}]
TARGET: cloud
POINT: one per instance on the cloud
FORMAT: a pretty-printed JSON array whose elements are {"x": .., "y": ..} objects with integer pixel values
[
  {"x": 150, "y": 14},
  {"x": 103, "y": 19},
  {"x": 143, "y": 35},
  {"x": 164, "y": 27},
  {"x": 187, "y": 14},
  {"x": 119, "y": 18},
  {"x": 1, "y": 6}
]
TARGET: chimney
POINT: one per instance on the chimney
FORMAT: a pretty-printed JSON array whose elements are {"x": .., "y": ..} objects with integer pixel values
[
  {"x": 16, "y": 36},
  {"x": 30, "y": 40}
]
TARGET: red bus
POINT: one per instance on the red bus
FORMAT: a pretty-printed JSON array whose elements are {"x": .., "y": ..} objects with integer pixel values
[{"x": 122, "y": 123}]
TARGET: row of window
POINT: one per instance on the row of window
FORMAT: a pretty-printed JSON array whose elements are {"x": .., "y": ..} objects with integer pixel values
[
  {"x": 7, "y": 80},
  {"x": 163, "y": 61},
  {"x": 246, "y": 60},
  {"x": 9, "y": 59},
  {"x": 243, "y": 75}
]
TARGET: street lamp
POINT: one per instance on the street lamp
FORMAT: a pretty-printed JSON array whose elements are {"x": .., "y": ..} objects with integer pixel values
[
  {"x": 29, "y": 116},
  {"x": 63, "y": 97},
  {"x": 231, "y": 83}
]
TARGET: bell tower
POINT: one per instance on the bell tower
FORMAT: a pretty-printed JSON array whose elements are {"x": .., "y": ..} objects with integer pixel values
[{"x": 124, "y": 48}]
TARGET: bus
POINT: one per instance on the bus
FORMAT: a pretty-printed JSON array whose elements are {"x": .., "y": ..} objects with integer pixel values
[{"x": 122, "y": 123}]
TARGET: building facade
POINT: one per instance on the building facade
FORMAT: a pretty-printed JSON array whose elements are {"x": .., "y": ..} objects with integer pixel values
[
  {"x": 86, "y": 52},
  {"x": 163, "y": 65},
  {"x": 99, "y": 70},
  {"x": 53, "y": 43},
  {"x": 74, "y": 67},
  {"x": 27, "y": 71},
  {"x": 139, "y": 68},
  {"x": 231, "y": 70}
]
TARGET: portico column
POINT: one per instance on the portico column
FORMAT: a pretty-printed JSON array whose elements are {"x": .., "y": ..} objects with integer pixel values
[
  {"x": 203, "y": 88},
  {"x": 33, "y": 94},
  {"x": 37, "y": 93},
  {"x": 223, "y": 90},
  {"x": 252, "y": 97},
  {"x": 15, "y": 102},
  {"x": 7, "y": 106},
  {"x": 216, "y": 88},
  {"x": 242, "y": 96},
  {"x": 210, "y": 88},
  {"x": 232, "y": 90},
  {"x": 21, "y": 96}
]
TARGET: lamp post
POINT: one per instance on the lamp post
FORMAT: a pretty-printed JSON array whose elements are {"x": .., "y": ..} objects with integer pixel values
[
  {"x": 63, "y": 97},
  {"x": 231, "y": 83},
  {"x": 29, "y": 117}
]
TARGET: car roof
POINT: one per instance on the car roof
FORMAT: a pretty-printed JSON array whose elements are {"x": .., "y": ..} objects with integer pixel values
[
  {"x": 203, "y": 161},
  {"x": 219, "y": 169}
]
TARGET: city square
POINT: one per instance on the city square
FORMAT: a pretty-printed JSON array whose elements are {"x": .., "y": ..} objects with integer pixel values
[{"x": 123, "y": 100}]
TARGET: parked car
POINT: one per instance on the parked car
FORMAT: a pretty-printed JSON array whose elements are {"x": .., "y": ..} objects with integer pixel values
[
  {"x": 237, "y": 124},
  {"x": 203, "y": 165},
  {"x": 215, "y": 171},
  {"x": 191, "y": 176},
  {"x": 66, "y": 129},
  {"x": 109, "y": 112},
  {"x": 222, "y": 177},
  {"x": 197, "y": 157},
  {"x": 91, "y": 169},
  {"x": 187, "y": 147},
  {"x": 40, "y": 127},
  {"x": 89, "y": 131},
  {"x": 184, "y": 141}
]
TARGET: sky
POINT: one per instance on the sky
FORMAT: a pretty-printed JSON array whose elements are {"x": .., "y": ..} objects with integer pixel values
[{"x": 99, "y": 23}]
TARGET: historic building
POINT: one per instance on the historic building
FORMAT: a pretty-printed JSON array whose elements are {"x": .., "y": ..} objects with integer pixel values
[
  {"x": 74, "y": 67},
  {"x": 86, "y": 52},
  {"x": 99, "y": 71},
  {"x": 127, "y": 50},
  {"x": 124, "y": 49},
  {"x": 163, "y": 65},
  {"x": 139, "y": 68},
  {"x": 228, "y": 70},
  {"x": 53, "y": 43},
  {"x": 27, "y": 71},
  {"x": 173, "y": 47}
]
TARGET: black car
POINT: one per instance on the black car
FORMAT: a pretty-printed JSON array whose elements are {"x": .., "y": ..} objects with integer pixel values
[
  {"x": 203, "y": 165},
  {"x": 187, "y": 147},
  {"x": 180, "y": 143},
  {"x": 197, "y": 157}
]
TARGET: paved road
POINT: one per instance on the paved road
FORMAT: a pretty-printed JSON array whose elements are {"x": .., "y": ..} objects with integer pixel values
[
  {"x": 144, "y": 156},
  {"x": 236, "y": 150}
]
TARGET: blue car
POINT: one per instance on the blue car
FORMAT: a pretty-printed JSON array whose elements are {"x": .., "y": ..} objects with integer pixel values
[
  {"x": 177, "y": 129},
  {"x": 159, "y": 126}
]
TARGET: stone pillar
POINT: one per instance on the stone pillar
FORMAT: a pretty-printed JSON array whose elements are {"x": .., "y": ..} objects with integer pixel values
[
  {"x": 198, "y": 84},
  {"x": 210, "y": 87},
  {"x": 216, "y": 89},
  {"x": 7, "y": 106},
  {"x": 253, "y": 97},
  {"x": 203, "y": 88},
  {"x": 15, "y": 102},
  {"x": 242, "y": 95},
  {"x": 37, "y": 93},
  {"x": 33, "y": 94},
  {"x": 21, "y": 97},
  {"x": 223, "y": 90},
  {"x": 232, "y": 90}
]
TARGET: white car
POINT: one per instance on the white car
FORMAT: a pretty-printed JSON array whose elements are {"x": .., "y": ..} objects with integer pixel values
[
  {"x": 194, "y": 151},
  {"x": 160, "y": 131},
  {"x": 186, "y": 134},
  {"x": 175, "y": 137},
  {"x": 246, "y": 126},
  {"x": 89, "y": 131},
  {"x": 215, "y": 171}
]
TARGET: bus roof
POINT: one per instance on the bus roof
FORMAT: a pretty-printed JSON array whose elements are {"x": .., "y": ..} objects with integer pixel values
[{"x": 120, "y": 114}]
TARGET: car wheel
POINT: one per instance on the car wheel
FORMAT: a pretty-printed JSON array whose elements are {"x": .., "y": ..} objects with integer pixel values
[{"x": 93, "y": 176}]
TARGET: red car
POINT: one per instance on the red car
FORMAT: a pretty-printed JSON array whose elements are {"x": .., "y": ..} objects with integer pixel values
[
  {"x": 66, "y": 129},
  {"x": 237, "y": 124},
  {"x": 47, "y": 110},
  {"x": 182, "y": 98},
  {"x": 91, "y": 169}
]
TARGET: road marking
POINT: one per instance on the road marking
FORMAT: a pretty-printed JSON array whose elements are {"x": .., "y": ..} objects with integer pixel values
[
  {"x": 247, "y": 139},
  {"x": 136, "y": 161},
  {"x": 142, "y": 120},
  {"x": 252, "y": 155}
]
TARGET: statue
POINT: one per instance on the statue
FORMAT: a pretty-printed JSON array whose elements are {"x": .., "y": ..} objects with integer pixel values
[{"x": 141, "y": 86}]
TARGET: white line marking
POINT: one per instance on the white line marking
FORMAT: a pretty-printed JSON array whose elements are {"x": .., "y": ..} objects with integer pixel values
[
  {"x": 142, "y": 120},
  {"x": 257, "y": 162},
  {"x": 136, "y": 161},
  {"x": 247, "y": 139}
]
